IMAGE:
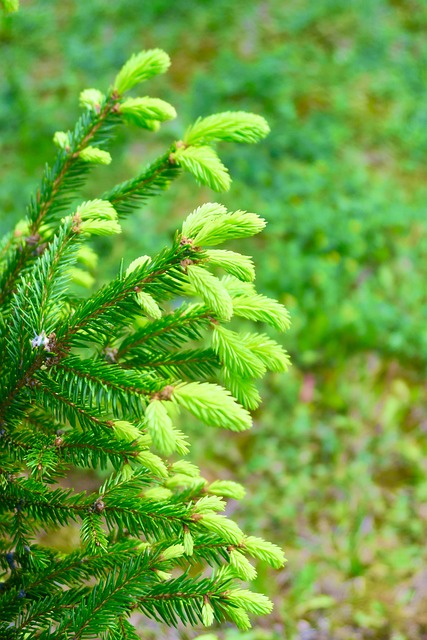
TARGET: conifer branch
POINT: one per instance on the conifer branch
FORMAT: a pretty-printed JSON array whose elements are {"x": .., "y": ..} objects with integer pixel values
[
  {"x": 52, "y": 196},
  {"x": 98, "y": 381},
  {"x": 186, "y": 323},
  {"x": 156, "y": 178},
  {"x": 52, "y": 398},
  {"x": 114, "y": 302}
]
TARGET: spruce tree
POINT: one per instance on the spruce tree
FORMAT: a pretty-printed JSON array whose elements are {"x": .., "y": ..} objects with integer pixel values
[{"x": 98, "y": 382}]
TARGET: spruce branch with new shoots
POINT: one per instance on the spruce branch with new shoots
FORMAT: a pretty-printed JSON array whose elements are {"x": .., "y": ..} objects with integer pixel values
[{"x": 105, "y": 381}]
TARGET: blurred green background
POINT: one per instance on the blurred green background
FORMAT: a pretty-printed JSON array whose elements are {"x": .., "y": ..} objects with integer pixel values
[{"x": 336, "y": 465}]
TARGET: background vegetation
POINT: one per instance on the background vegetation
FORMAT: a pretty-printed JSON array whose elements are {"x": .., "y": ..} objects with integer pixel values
[{"x": 336, "y": 464}]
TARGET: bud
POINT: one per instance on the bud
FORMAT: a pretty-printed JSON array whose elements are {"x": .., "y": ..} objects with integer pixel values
[
  {"x": 250, "y": 601},
  {"x": 265, "y": 551},
  {"x": 153, "y": 463},
  {"x": 148, "y": 305},
  {"x": 91, "y": 99},
  {"x": 141, "y": 66},
  {"x": 95, "y": 156},
  {"x": 229, "y": 126},
  {"x": 96, "y": 210},
  {"x": 212, "y": 405},
  {"x": 138, "y": 262},
  {"x": 87, "y": 256},
  {"x": 270, "y": 352},
  {"x": 100, "y": 227},
  {"x": 163, "y": 575},
  {"x": 181, "y": 442},
  {"x": 210, "y": 289},
  {"x": 183, "y": 481},
  {"x": 175, "y": 551},
  {"x": 151, "y": 125},
  {"x": 230, "y": 226},
  {"x": 159, "y": 426},
  {"x": 126, "y": 472},
  {"x": 238, "y": 265},
  {"x": 159, "y": 494},
  {"x": 125, "y": 430},
  {"x": 195, "y": 222},
  {"x": 241, "y": 566},
  {"x": 21, "y": 228},
  {"x": 188, "y": 542},
  {"x": 61, "y": 139},
  {"x": 258, "y": 307},
  {"x": 186, "y": 468},
  {"x": 243, "y": 389},
  {"x": 240, "y": 618},
  {"x": 207, "y": 614},
  {"x": 81, "y": 277},
  {"x": 209, "y": 504},
  {"x": 204, "y": 164},
  {"x": 228, "y": 489},
  {"x": 141, "y": 110},
  {"x": 232, "y": 352},
  {"x": 222, "y": 526}
]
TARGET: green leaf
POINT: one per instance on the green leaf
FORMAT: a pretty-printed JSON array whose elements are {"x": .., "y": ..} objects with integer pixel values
[
  {"x": 238, "y": 265},
  {"x": 228, "y": 489},
  {"x": 95, "y": 210},
  {"x": 262, "y": 309},
  {"x": 160, "y": 428},
  {"x": 223, "y": 526},
  {"x": 139, "y": 110},
  {"x": 208, "y": 287},
  {"x": 204, "y": 164},
  {"x": 213, "y": 405},
  {"x": 243, "y": 389},
  {"x": 234, "y": 354},
  {"x": 207, "y": 614},
  {"x": 229, "y": 126},
  {"x": 250, "y": 601},
  {"x": 229, "y": 226},
  {"x": 240, "y": 618},
  {"x": 91, "y": 99},
  {"x": 148, "y": 305},
  {"x": 94, "y": 155},
  {"x": 127, "y": 431},
  {"x": 140, "y": 67},
  {"x": 241, "y": 566},
  {"x": 61, "y": 139},
  {"x": 195, "y": 222},
  {"x": 268, "y": 351},
  {"x": 155, "y": 179},
  {"x": 153, "y": 463},
  {"x": 265, "y": 551}
]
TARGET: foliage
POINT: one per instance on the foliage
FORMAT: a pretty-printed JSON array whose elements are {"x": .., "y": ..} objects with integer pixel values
[
  {"x": 336, "y": 460},
  {"x": 95, "y": 382}
]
